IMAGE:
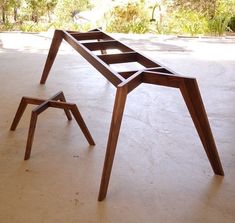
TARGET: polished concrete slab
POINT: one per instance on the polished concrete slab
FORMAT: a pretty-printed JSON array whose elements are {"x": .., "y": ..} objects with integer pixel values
[{"x": 160, "y": 173}]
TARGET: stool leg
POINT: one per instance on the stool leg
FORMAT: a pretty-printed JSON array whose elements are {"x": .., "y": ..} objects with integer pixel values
[
  {"x": 31, "y": 132},
  {"x": 82, "y": 124},
  {"x": 193, "y": 100},
  {"x": 118, "y": 110},
  {"x": 19, "y": 113},
  {"x": 62, "y": 98}
]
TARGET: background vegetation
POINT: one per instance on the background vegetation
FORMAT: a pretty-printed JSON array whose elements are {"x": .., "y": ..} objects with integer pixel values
[{"x": 191, "y": 17}]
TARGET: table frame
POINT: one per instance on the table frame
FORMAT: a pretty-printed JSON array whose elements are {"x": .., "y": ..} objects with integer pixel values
[{"x": 152, "y": 73}]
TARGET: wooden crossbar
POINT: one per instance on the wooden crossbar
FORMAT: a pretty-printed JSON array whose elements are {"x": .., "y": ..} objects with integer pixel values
[
  {"x": 107, "y": 44},
  {"x": 119, "y": 58},
  {"x": 90, "y": 35},
  {"x": 125, "y": 81}
]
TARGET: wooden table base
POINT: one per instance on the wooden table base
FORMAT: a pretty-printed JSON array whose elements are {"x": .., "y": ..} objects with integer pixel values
[
  {"x": 56, "y": 101},
  {"x": 152, "y": 73}
]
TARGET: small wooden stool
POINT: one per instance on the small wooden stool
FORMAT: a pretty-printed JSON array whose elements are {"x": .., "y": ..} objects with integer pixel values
[{"x": 56, "y": 101}]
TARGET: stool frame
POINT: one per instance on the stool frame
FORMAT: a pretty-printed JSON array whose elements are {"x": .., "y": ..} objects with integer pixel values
[{"x": 56, "y": 101}]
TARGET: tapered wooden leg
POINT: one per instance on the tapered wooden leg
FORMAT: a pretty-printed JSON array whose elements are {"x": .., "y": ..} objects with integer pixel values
[
  {"x": 62, "y": 98},
  {"x": 118, "y": 110},
  {"x": 32, "y": 127},
  {"x": 19, "y": 113},
  {"x": 56, "y": 41},
  {"x": 82, "y": 124},
  {"x": 193, "y": 100}
]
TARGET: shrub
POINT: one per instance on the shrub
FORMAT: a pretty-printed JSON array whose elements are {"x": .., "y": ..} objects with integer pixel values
[
  {"x": 6, "y": 26},
  {"x": 189, "y": 22},
  {"x": 30, "y": 26},
  {"x": 128, "y": 18},
  {"x": 218, "y": 25},
  {"x": 72, "y": 26}
]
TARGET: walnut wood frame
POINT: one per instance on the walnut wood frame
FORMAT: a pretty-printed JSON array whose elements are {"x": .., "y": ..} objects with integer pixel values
[
  {"x": 56, "y": 101},
  {"x": 125, "y": 82}
]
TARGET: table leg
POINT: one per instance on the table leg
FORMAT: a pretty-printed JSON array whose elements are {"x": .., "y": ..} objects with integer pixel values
[
  {"x": 118, "y": 110},
  {"x": 55, "y": 44},
  {"x": 193, "y": 100}
]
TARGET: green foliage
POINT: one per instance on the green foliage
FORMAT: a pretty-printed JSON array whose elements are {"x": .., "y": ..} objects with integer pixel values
[
  {"x": 39, "y": 8},
  {"x": 218, "y": 25},
  {"x": 191, "y": 17},
  {"x": 31, "y": 26},
  {"x": 65, "y": 9},
  {"x": 196, "y": 17},
  {"x": 40, "y": 15},
  {"x": 182, "y": 22},
  {"x": 205, "y": 8},
  {"x": 71, "y": 26},
  {"x": 36, "y": 9},
  {"x": 190, "y": 22},
  {"x": 128, "y": 18},
  {"x": 5, "y": 6},
  {"x": 7, "y": 26},
  {"x": 225, "y": 8},
  {"x": 167, "y": 26}
]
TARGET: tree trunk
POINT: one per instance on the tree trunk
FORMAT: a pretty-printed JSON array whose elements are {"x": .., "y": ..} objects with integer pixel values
[
  {"x": 15, "y": 14},
  {"x": 3, "y": 15},
  {"x": 35, "y": 17}
]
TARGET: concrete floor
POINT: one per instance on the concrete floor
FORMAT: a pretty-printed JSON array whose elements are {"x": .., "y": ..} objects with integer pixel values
[{"x": 160, "y": 173}]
